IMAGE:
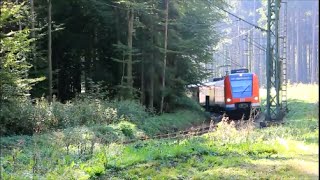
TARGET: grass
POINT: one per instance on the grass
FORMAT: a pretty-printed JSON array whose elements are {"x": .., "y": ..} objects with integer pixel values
[
  {"x": 80, "y": 152},
  {"x": 167, "y": 123},
  {"x": 203, "y": 158},
  {"x": 288, "y": 151}
]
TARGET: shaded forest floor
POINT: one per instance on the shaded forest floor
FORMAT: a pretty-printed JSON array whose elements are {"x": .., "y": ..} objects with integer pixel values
[{"x": 288, "y": 151}]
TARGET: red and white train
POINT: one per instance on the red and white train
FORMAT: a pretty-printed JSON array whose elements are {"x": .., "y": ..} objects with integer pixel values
[{"x": 237, "y": 92}]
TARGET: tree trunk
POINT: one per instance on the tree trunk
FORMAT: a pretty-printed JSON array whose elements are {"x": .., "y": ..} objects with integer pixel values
[
  {"x": 33, "y": 34},
  {"x": 317, "y": 63},
  {"x": 19, "y": 22},
  {"x": 261, "y": 64},
  {"x": 253, "y": 36},
  {"x": 165, "y": 54},
  {"x": 49, "y": 52},
  {"x": 309, "y": 76},
  {"x": 303, "y": 72},
  {"x": 289, "y": 48},
  {"x": 32, "y": 19},
  {"x": 151, "y": 88},
  {"x": 243, "y": 48},
  {"x": 238, "y": 42},
  {"x": 129, "y": 63},
  {"x": 121, "y": 67},
  {"x": 314, "y": 51},
  {"x": 293, "y": 50},
  {"x": 297, "y": 49},
  {"x": 142, "y": 83}
]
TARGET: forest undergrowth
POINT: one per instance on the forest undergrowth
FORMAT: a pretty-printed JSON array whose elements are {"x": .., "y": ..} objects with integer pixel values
[{"x": 95, "y": 151}]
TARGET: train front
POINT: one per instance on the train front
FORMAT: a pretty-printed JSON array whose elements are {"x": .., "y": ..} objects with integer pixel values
[{"x": 241, "y": 93}]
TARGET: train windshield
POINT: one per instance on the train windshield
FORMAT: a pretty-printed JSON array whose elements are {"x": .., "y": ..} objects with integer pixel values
[{"x": 241, "y": 85}]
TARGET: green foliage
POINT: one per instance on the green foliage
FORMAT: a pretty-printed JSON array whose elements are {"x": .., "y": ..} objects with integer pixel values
[
  {"x": 172, "y": 122},
  {"x": 79, "y": 139},
  {"x": 26, "y": 118},
  {"x": 17, "y": 117},
  {"x": 91, "y": 46},
  {"x": 185, "y": 102},
  {"x": 131, "y": 110},
  {"x": 42, "y": 116},
  {"x": 126, "y": 129},
  {"x": 94, "y": 91},
  {"x": 14, "y": 53},
  {"x": 233, "y": 150}
]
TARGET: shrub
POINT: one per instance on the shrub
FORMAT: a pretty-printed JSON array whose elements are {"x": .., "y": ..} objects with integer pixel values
[
  {"x": 131, "y": 110},
  {"x": 25, "y": 117},
  {"x": 171, "y": 122},
  {"x": 127, "y": 129},
  {"x": 185, "y": 102},
  {"x": 16, "y": 118}
]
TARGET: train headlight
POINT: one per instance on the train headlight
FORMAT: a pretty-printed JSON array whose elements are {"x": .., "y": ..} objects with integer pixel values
[
  {"x": 228, "y": 100},
  {"x": 256, "y": 98}
]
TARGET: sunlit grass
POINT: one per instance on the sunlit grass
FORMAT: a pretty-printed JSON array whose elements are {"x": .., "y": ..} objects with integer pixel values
[
  {"x": 303, "y": 101},
  {"x": 287, "y": 151},
  {"x": 304, "y": 92},
  {"x": 282, "y": 159}
]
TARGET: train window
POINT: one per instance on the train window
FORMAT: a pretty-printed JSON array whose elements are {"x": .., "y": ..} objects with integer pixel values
[
  {"x": 241, "y": 87},
  {"x": 239, "y": 71}
]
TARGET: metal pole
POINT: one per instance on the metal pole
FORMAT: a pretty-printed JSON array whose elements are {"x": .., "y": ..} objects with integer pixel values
[
  {"x": 274, "y": 70},
  {"x": 268, "y": 62},
  {"x": 277, "y": 62},
  {"x": 49, "y": 51},
  {"x": 250, "y": 50}
]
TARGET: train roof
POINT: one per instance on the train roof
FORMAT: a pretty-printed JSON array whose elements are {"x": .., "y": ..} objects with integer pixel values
[
  {"x": 242, "y": 70},
  {"x": 240, "y": 74},
  {"x": 210, "y": 83}
]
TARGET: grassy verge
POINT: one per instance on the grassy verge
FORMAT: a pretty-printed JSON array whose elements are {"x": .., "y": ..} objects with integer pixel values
[
  {"x": 81, "y": 152},
  {"x": 280, "y": 152},
  {"x": 167, "y": 123},
  {"x": 289, "y": 151}
]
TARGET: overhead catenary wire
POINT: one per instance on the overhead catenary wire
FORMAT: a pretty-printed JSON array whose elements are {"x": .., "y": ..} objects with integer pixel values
[
  {"x": 171, "y": 23},
  {"x": 218, "y": 26},
  {"x": 244, "y": 33},
  {"x": 229, "y": 59},
  {"x": 203, "y": 24},
  {"x": 256, "y": 45},
  {"x": 122, "y": 8},
  {"x": 254, "y": 25},
  {"x": 239, "y": 18}
]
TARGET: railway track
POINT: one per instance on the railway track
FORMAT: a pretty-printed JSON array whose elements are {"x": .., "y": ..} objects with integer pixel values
[
  {"x": 180, "y": 134},
  {"x": 255, "y": 118}
]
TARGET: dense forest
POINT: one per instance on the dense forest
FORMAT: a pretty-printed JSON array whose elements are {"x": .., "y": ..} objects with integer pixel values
[
  {"x": 128, "y": 49},
  {"x": 98, "y": 89},
  {"x": 115, "y": 50},
  {"x": 245, "y": 46},
  {"x": 143, "y": 51}
]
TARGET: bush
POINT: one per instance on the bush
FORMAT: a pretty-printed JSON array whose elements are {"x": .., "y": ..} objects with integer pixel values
[
  {"x": 131, "y": 110},
  {"x": 171, "y": 122},
  {"x": 16, "y": 118},
  {"x": 127, "y": 129},
  {"x": 26, "y": 118},
  {"x": 185, "y": 102}
]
